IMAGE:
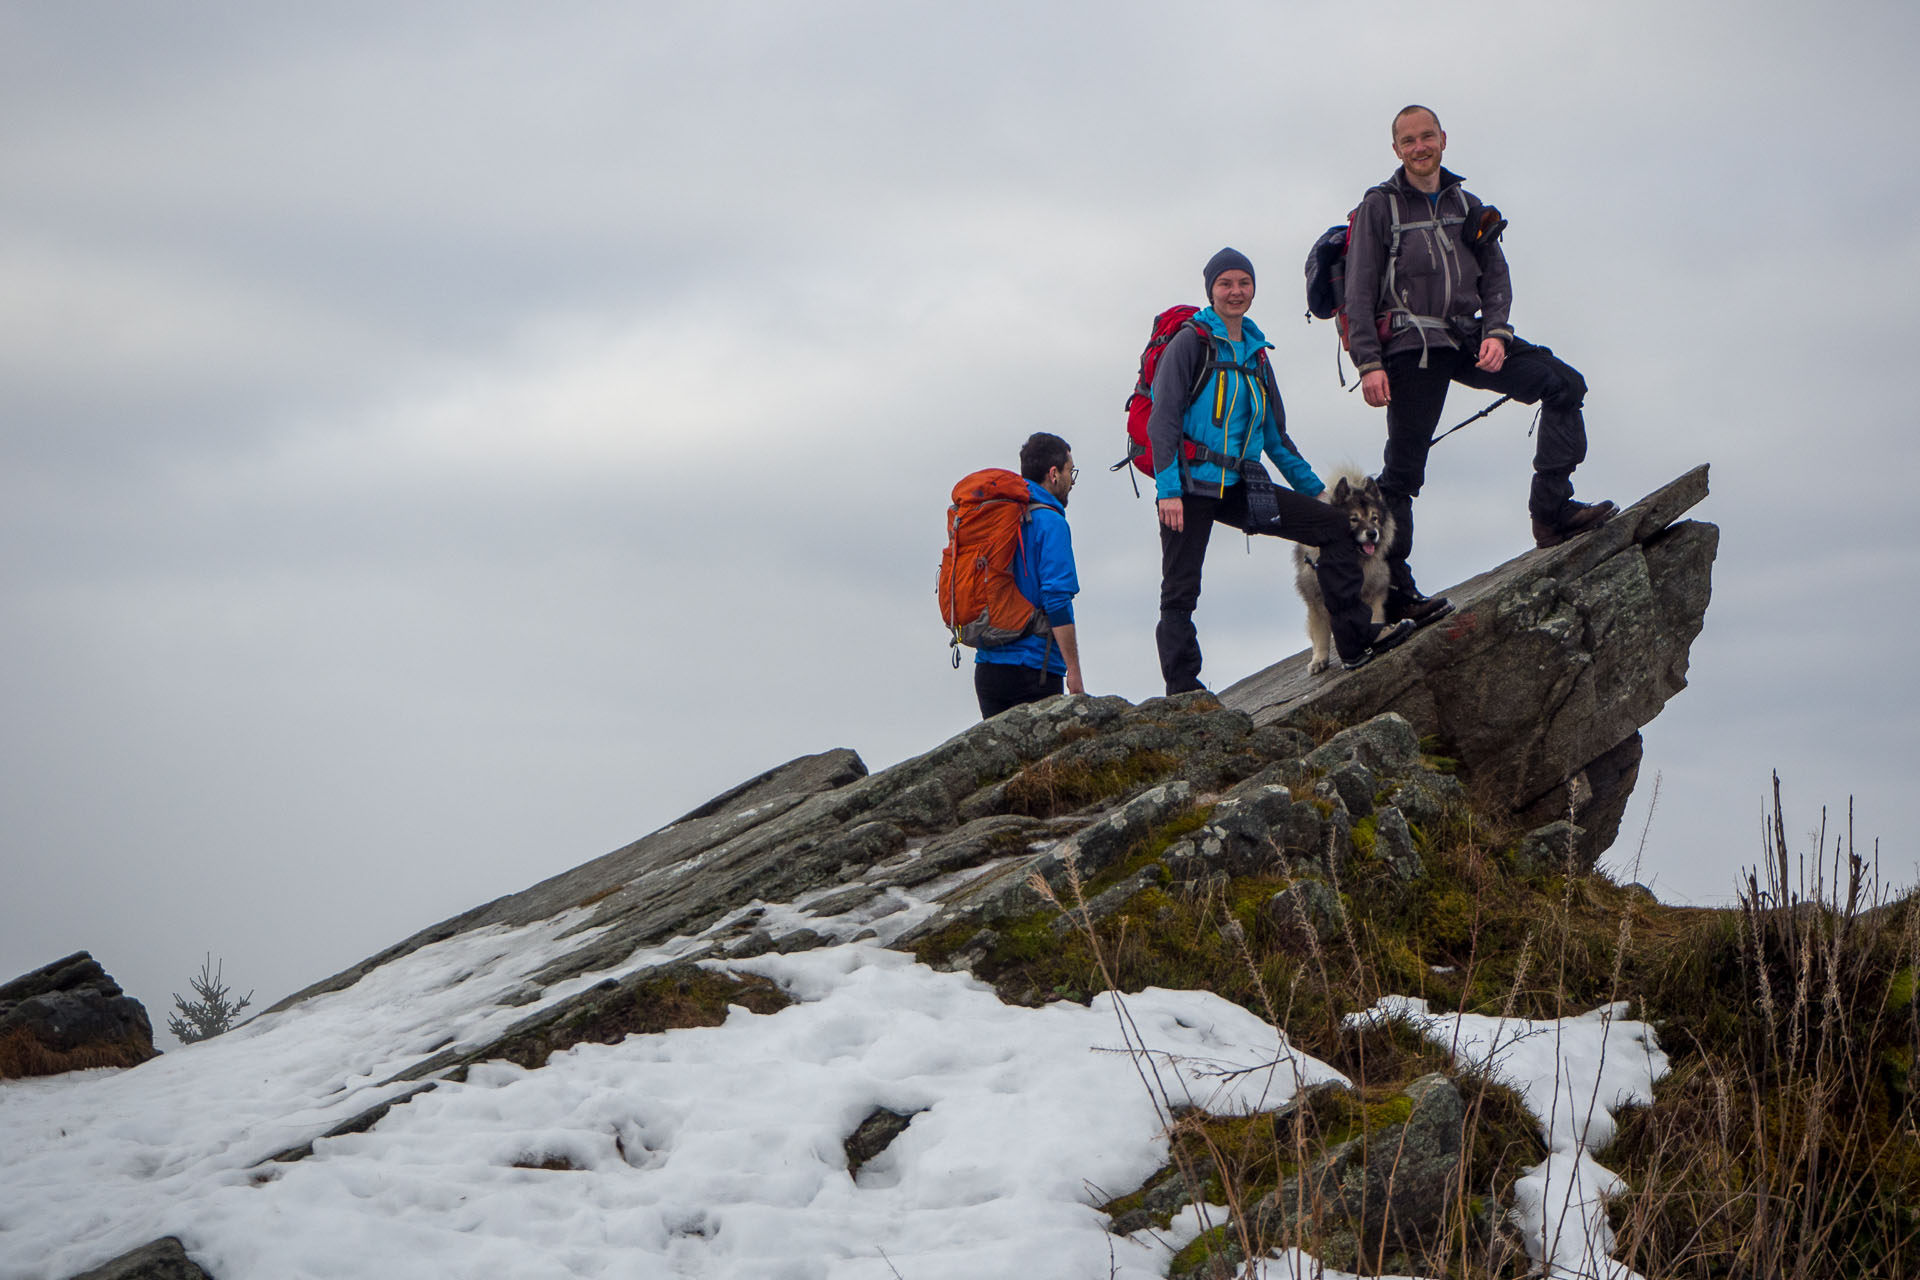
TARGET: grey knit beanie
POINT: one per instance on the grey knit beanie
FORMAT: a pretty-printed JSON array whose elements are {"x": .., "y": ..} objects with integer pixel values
[{"x": 1225, "y": 260}]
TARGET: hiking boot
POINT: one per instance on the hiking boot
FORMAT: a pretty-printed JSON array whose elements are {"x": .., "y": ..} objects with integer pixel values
[
  {"x": 1575, "y": 518},
  {"x": 1386, "y": 635},
  {"x": 1416, "y": 608}
]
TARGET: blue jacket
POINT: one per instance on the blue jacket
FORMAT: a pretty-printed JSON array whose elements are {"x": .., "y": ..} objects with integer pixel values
[
  {"x": 1246, "y": 403},
  {"x": 1044, "y": 573}
]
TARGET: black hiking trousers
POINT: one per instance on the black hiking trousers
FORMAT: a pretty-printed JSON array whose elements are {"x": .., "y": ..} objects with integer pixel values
[
  {"x": 999, "y": 685},
  {"x": 1302, "y": 519},
  {"x": 1531, "y": 375}
]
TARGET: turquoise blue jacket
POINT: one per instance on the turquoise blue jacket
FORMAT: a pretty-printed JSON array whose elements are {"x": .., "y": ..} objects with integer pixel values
[
  {"x": 1044, "y": 574},
  {"x": 1246, "y": 404}
]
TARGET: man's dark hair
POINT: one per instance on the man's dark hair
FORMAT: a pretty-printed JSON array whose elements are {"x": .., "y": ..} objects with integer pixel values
[
  {"x": 1042, "y": 452},
  {"x": 1393, "y": 130}
]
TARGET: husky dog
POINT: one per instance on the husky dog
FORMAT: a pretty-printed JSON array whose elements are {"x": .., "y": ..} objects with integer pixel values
[{"x": 1372, "y": 526}]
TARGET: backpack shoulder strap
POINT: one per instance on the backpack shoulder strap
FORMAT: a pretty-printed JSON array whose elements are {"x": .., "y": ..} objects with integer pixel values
[
  {"x": 1435, "y": 220},
  {"x": 1207, "y": 366},
  {"x": 1396, "y": 225}
]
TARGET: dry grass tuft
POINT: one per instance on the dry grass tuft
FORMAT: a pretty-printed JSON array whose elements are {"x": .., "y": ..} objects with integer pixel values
[
  {"x": 1784, "y": 1144},
  {"x": 22, "y": 1055}
]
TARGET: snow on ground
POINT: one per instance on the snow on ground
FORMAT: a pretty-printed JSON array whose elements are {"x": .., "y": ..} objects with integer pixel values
[
  {"x": 1573, "y": 1074},
  {"x": 717, "y": 1152},
  {"x": 712, "y": 1152}
]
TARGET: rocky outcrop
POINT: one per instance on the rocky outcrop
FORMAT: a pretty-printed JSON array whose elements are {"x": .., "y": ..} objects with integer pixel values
[
  {"x": 1539, "y": 682},
  {"x": 164, "y": 1259},
  {"x": 1062, "y": 789},
  {"x": 1304, "y": 798},
  {"x": 68, "y": 1016},
  {"x": 1073, "y": 800},
  {"x": 765, "y": 834},
  {"x": 1535, "y": 689}
]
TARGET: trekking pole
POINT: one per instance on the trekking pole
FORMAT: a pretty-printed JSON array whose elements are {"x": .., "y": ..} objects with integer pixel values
[{"x": 1475, "y": 418}]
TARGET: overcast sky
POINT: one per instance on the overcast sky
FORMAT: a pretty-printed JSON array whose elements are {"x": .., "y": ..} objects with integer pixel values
[{"x": 442, "y": 442}]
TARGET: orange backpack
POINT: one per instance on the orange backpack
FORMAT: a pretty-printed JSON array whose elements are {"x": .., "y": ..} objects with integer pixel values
[{"x": 986, "y": 529}]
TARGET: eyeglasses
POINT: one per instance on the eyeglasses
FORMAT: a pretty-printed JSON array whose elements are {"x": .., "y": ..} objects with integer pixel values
[{"x": 1073, "y": 473}]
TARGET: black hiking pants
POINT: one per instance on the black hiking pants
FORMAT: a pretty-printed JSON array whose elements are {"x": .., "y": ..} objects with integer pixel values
[
  {"x": 1000, "y": 685},
  {"x": 1301, "y": 519},
  {"x": 1531, "y": 375}
]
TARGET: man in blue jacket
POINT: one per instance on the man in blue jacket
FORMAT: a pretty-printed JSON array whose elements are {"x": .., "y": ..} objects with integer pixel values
[
  {"x": 1039, "y": 666},
  {"x": 1216, "y": 409}
]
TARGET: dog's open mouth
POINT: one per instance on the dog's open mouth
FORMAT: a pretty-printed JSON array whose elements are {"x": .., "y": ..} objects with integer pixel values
[{"x": 1368, "y": 548}]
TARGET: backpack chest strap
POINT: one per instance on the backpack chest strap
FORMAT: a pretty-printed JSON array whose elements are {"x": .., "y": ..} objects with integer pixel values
[{"x": 1438, "y": 222}]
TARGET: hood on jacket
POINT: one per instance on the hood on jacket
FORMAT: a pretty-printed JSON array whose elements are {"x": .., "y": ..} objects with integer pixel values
[
  {"x": 1043, "y": 496},
  {"x": 1248, "y": 329}
]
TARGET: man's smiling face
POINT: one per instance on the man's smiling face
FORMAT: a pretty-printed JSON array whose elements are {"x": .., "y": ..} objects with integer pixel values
[{"x": 1420, "y": 143}]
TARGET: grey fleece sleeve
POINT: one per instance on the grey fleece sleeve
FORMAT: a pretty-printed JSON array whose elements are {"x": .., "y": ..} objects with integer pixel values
[
  {"x": 1366, "y": 263},
  {"x": 1179, "y": 365},
  {"x": 1496, "y": 294}
]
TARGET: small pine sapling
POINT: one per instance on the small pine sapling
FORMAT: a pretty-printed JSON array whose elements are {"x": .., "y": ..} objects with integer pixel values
[{"x": 213, "y": 1013}]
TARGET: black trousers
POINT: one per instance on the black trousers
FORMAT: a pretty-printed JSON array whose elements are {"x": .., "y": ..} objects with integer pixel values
[
  {"x": 1301, "y": 519},
  {"x": 1531, "y": 375},
  {"x": 1000, "y": 685}
]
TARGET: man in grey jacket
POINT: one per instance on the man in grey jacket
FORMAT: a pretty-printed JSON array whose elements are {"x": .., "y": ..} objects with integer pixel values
[{"x": 1427, "y": 302}]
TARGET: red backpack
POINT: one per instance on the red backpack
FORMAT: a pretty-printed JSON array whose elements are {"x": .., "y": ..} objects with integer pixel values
[
  {"x": 986, "y": 529},
  {"x": 1140, "y": 404}
]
